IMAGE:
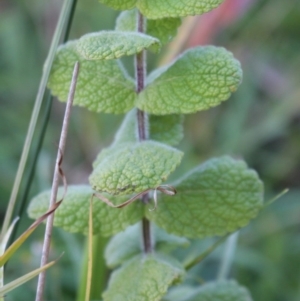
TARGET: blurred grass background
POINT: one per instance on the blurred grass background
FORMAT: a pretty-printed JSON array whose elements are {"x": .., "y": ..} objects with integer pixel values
[{"x": 260, "y": 123}]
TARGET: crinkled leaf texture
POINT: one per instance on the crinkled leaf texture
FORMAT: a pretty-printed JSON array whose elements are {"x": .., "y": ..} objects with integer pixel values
[
  {"x": 127, "y": 244},
  {"x": 156, "y": 9},
  {"x": 134, "y": 167},
  {"x": 199, "y": 79},
  {"x": 220, "y": 196},
  {"x": 107, "y": 45},
  {"x": 167, "y": 129},
  {"x": 162, "y": 29},
  {"x": 221, "y": 291},
  {"x": 73, "y": 214},
  {"x": 143, "y": 278},
  {"x": 102, "y": 86}
]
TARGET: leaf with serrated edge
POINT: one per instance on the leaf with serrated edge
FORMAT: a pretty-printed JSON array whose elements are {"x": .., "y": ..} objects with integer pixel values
[
  {"x": 199, "y": 79},
  {"x": 162, "y": 29},
  {"x": 102, "y": 86},
  {"x": 157, "y": 9},
  {"x": 219, "y": 196},
  {"x": 167, "y": 129},
  {"x": 135, "y": 167},
  {"x": 127, "y": 244},
  {"x": 221, "y": 291},
  {"x": 107, "y": 45},
  {"x": 143, "y": 278},
  {"x": 73, "y": 213}
]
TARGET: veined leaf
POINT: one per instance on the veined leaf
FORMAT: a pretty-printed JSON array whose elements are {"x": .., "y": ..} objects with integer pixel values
[
  {"x": 221, "y": 291},
  {"x": 107, "y": 45},
  {"x": 102, "y": 86},
  {"x": 199, "y": 79},
  {"x": 215, "y": 198},
  {"x": 73, "y": 214},
  {"x": 156, "y": 9},
  {"x": 143, "y": 278},
  {"x": 134, "y": 167}
]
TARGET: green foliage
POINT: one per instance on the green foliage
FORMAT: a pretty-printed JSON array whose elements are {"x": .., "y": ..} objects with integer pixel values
[
  {"x": 135, "y": 167},
  {"x": 224, "y": 290},
  {"x": 127, "y": 244},
  {"x": 167, "y": 129},
  {"x": 218, "y": 197},
  {"x": 162, "y": 29},
  {"x": 156, "y": 9},
  {"x": 143, "y": 278},
  {"x": 73, "y": 213},
  {"x": 201, "y": 78},
  {"x": 107, "y": 45},
  {"x": 215, "y": 198},
  {"x": 102, "y": 86},
  {"x": 221, "y": 291}
]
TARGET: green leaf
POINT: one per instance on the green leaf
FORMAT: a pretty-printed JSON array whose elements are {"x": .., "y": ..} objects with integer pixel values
[
  {"x": 143, "y": 278},
  {"x": 119, "y": 4},
  {"x": 201, "y": 78},
  {"x": 156, "y": 9},
  {"x": 102, "y": 86},
  {"x": 166, "y": 129},
  {"x": 107, "y": 45},
  {"x": 221, "y": 291},
  {"x": 162, "y": 29},
  {"x": 73, "y": 213},
  {"x": 135, "y": 167},
  {"x": 219, "y": 196},
  {"x": 127, "y": 244}
]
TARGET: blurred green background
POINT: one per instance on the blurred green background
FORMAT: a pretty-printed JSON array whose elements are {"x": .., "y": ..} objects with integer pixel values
[{"x": 260, "y": 123}]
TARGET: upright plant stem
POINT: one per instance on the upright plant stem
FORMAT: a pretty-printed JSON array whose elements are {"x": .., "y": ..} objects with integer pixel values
[
  {"x": 35, "y": 113},
  {"x": 61, "y": 148},
  {"x": 142, "y": 123}
]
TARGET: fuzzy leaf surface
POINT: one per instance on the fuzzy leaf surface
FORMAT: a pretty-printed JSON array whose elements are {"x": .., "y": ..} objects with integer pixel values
[
  {"x": 218, "y": 197},
  {"x": 108, "y": 45},
  {"x": 167, "y": 129},
  {"x": 135, "y": 167},
  {"x": 73, "y": 213},
  {"x": 201, "y": 78},
  {"x": 157, "y": 9},
  {"x": 102, "y": 86},
  {"x": 221, "y": 291},
  {"x": 127, "y": 244},
  {"x": 162, "y": 29},
  {"x": 143, "y": 279}
]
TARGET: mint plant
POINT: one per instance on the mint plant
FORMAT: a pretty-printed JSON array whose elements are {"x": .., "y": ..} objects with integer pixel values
[{"x": 218, "y": 197}]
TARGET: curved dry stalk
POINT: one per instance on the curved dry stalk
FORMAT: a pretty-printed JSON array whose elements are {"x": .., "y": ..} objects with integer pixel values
[{"x": 57, "y": 173}]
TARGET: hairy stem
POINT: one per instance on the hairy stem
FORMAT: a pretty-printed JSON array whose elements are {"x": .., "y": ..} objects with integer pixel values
[
  {"x": 61, "y": 148},
  {"x": 142, "y": 123}
]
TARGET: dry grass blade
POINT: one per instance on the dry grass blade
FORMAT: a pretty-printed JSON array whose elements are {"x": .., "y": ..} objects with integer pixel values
[{"x": 57, "y": 173}]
